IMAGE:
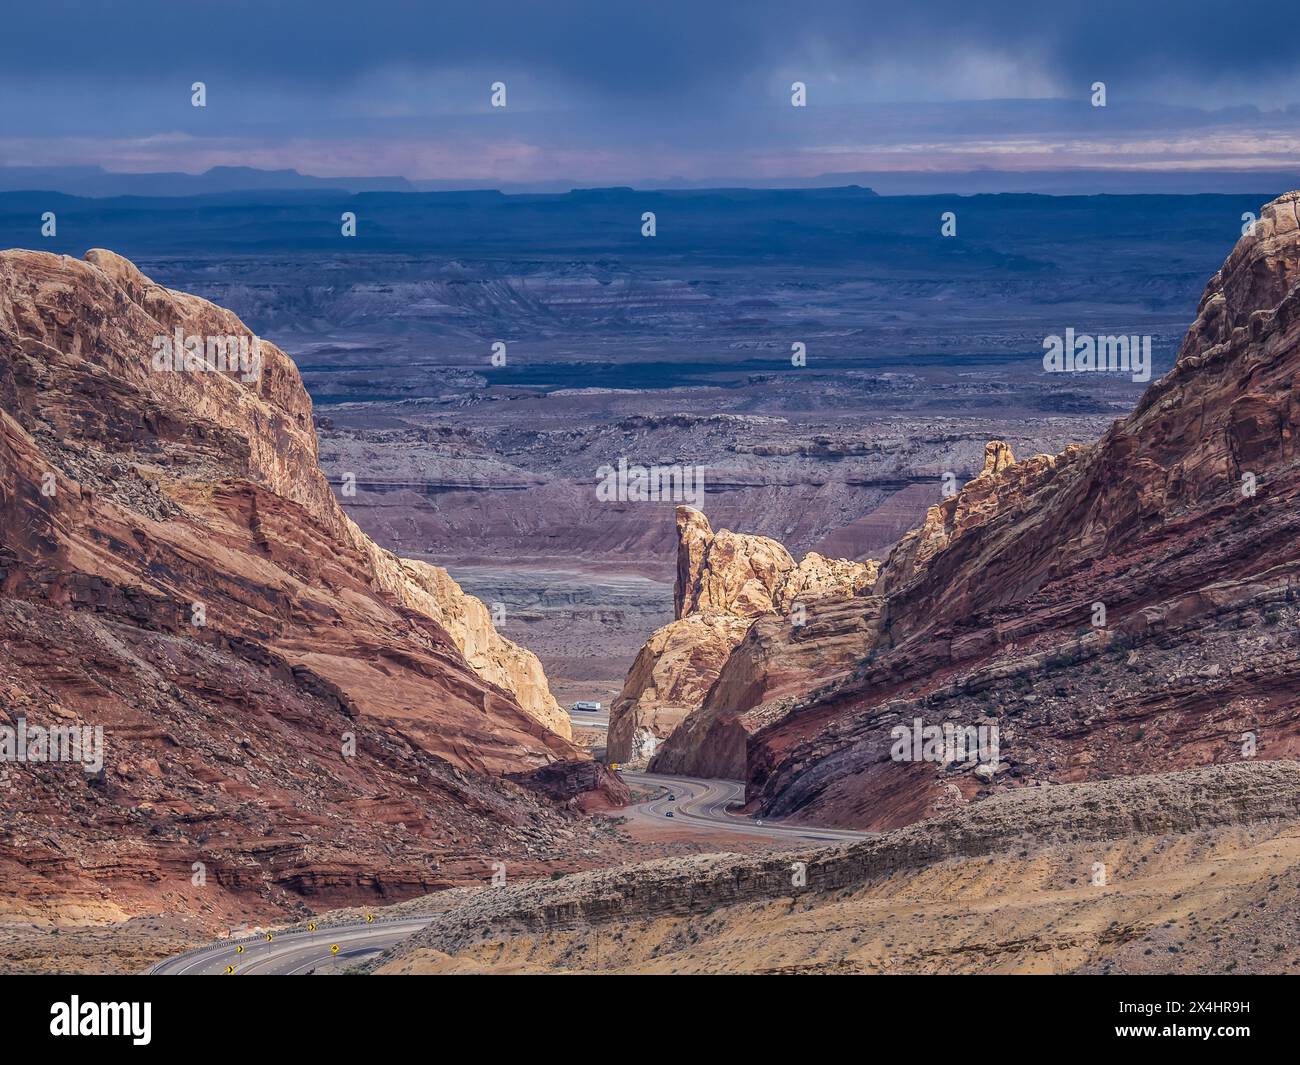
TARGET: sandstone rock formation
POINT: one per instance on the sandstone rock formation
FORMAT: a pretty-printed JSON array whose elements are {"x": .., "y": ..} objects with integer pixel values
[
  {"x": 768, "y": 671},
  {"x": 492, "y": 656},
  {"x": 670, "y": 677},
  {"x": 1123, "y": 607},
  {"x": 748, "y": 576},
  {"x": 283, "y": 701},
  {"x": 725, "y": 582}
]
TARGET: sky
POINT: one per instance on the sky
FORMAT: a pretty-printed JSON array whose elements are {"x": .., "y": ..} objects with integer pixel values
[{"x": 620, "y": 93}]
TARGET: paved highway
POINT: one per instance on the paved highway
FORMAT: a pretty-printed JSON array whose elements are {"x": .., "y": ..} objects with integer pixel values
[
  {"x": 706, "y": 803},
  {"x": 701, "y": 804},
  {"x": 291, "y": 953}
]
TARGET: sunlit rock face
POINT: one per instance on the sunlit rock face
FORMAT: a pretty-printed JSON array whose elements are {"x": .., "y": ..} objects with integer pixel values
[{"x": 725, "y": 582}]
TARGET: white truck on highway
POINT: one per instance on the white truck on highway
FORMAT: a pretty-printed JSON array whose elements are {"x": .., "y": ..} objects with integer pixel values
[{"x": 585, "y": 706}]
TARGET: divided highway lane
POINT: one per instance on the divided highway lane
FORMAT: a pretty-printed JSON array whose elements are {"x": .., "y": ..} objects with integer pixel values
[
  {"x": 701, "y": 804},
  {"x": 705, "y": 802}
]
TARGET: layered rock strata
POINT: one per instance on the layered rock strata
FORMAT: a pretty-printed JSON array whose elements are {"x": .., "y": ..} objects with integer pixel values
[
  {"x": 287, "y": 709},
  {"x": 726, "y": 582},
  {"x": 1123, "y": 607}
]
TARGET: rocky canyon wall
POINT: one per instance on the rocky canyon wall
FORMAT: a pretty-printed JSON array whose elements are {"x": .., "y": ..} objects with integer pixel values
[
  {"x": 1122, "y": 607},
  {"x": 284, "y": 705}
]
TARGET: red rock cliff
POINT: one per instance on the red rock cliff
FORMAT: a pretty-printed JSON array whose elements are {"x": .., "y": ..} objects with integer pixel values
[
  {"x": 283, "y": 701},
  {"x": 1124, "y": 607}
]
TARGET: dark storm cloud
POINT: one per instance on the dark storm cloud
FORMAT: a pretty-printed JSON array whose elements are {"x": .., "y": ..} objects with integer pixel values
[
  {"x": 617, "y": 91},
  {"x": 643, "y": 50}
]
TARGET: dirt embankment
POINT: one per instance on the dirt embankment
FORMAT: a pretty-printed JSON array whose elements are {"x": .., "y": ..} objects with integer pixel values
[{"x": 1103, "y": 874}]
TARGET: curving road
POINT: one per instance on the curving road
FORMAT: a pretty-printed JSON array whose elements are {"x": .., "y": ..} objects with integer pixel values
[
  {"x": 706, "y": 804},
  {"x": 702, "y": 804},
  {"x": 292, "y": 953}
]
